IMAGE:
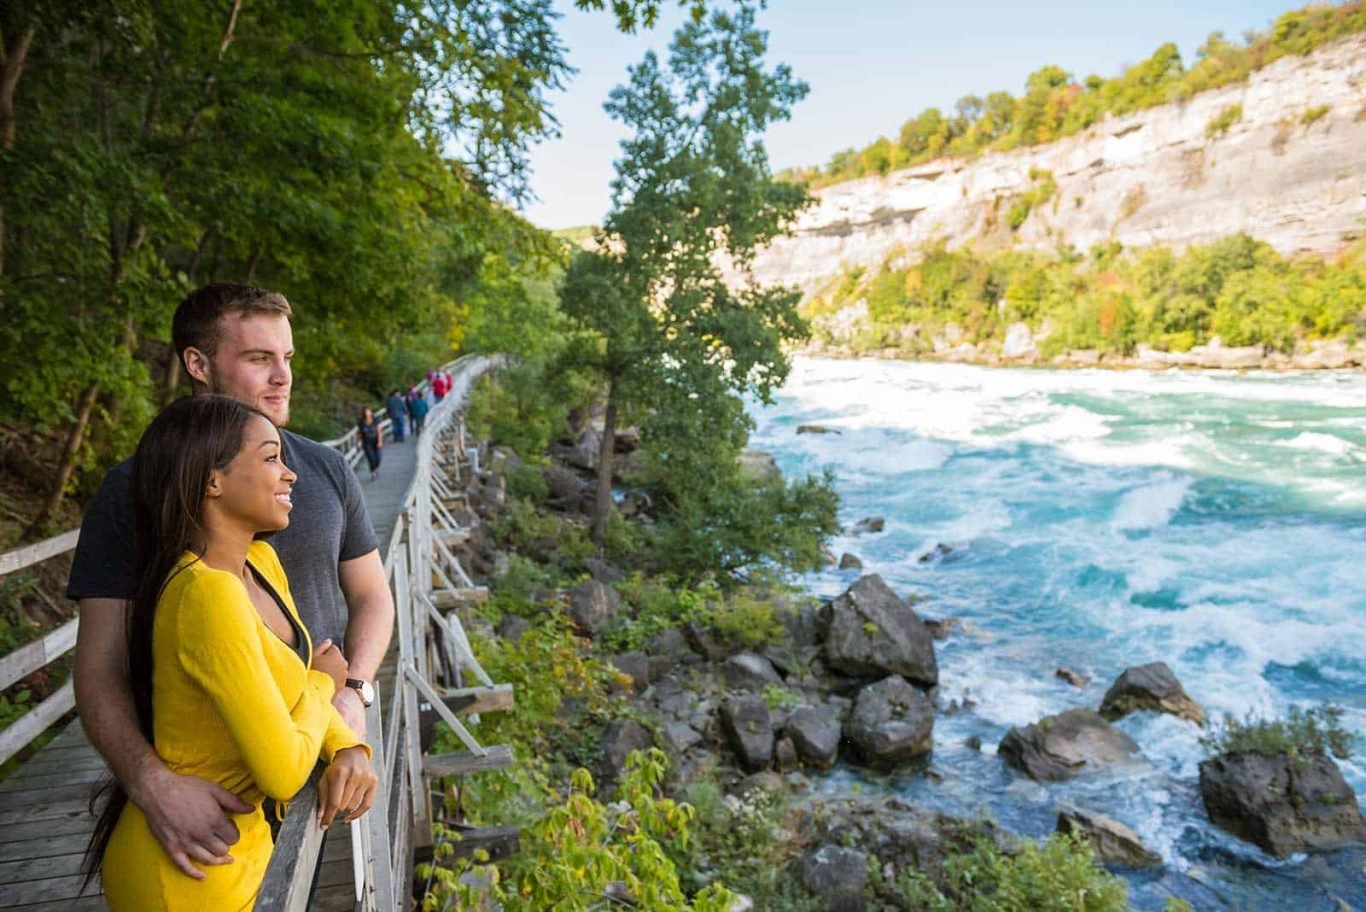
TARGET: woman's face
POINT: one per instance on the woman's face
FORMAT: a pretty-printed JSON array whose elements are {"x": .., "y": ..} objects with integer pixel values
[{"x": 255, "y": 487}]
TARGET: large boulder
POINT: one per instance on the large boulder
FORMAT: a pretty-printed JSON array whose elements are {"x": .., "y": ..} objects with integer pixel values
[
  {"x": 1150, "y": 687},
  {"x": 748, "y": 671},
  {"x": 871, "y": 632},
  {"x": 592, "y": 606},
  {"x": 869, "y": 525},
  {"x": 745, "y": 721},
  {"x": 619, "y": 739},
  {"x": 1059, "y": 747},
  {"x": 1111, "y": 840},
  {"x": 1280, "y": 803},
  {"x": 760, "y": 467},
  {"x": 815, "y": 732},
  {"x": 837, "y": 875},
  {"x": 892, "y": 722},
  {"x": 563, "y": 484},
  {"x": 850, "y": 562}
]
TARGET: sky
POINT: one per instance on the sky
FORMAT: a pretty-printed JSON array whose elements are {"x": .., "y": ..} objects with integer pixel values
[{"x": 871, "y": 65}]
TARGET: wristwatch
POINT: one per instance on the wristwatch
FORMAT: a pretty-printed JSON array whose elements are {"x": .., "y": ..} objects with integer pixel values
[{"x": 362, "y": 687}]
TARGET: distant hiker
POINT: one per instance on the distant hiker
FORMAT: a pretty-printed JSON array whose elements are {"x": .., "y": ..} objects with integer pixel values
[
  {"x": 398, "y": 414},
  {"x": 371, "y": 439},
  {"x": 417, "y": 407}
]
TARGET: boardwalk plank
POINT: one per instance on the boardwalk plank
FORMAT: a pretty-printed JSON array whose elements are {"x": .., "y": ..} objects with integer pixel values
[{"x": 46, "y": 890}]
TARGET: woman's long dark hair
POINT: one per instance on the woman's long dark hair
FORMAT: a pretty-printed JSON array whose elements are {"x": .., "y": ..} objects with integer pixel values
[{"x": 177, "y": 452}]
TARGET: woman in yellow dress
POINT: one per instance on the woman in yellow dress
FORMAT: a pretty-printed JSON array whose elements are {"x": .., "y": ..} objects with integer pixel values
[{"x": 227, "y": 684}]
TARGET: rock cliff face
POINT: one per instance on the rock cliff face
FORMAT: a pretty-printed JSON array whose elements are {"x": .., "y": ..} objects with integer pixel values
[{"x": 1291, "y": 170}]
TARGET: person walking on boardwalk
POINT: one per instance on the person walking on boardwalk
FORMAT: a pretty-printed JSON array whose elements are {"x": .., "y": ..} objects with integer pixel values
[
  {"x": 371, "y": 439},
  {"x": 397, "y": 410},
  {"x": 241, "y": 697},
  {"x": 234, "y": 340},
  {"x": 418, "y": 405}
]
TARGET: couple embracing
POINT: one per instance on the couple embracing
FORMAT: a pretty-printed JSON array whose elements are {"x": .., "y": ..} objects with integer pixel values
[{"x": 221, "y": 572}]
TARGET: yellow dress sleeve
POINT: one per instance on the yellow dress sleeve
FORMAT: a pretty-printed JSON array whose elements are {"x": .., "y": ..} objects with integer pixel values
[
  {"x": 220, "y": 648},
  {"x": 338, "y": 735}
]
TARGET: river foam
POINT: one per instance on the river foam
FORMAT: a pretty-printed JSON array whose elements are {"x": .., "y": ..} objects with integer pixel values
[{"x": 1094, "y": 519}]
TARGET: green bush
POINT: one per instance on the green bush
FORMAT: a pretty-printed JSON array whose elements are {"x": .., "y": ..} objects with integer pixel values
[
  {"x": 1219, "y": 124},
  {"x": 743, "y": 843},
  {"x": 582, "y": 854},
  {"x": 527, "y": 483},
  {"x": 1311, "y": 115},
  {"x": 1304, "y": 733},
  {"x": 1059, "y": 875}
]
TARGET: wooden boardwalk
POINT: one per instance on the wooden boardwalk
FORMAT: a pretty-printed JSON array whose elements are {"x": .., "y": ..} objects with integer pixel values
[{"x": 45, "y": 821}]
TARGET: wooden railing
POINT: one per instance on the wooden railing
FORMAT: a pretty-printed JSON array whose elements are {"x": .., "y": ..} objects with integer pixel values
[{"x": 433, "y": 658}]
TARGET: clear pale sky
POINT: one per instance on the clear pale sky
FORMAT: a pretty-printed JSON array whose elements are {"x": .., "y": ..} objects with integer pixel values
[{"x": 871, "y": 65}]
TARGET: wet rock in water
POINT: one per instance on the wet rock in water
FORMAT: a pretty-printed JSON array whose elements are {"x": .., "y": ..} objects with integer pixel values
[
  {"x": 1111, "y": 840},
  {"x": 815, "y": 732},
  {"x": 869, "y": 525},
  {"x": 850, "y": 562},
  {"x": 837, "y": 875},
  {"x": 1076, "y": 679},
  {"x": 1282, "y": 804},
  {"x": 1059, "y": 747},
  {"x": 939, "y": 551},
  {"x": 815, "y": 429},
  {"x": 748, "y": 730},
  {"x": 892, "y": 722},
  {"x": 748, "y": 671},
  {"x": 871, "y": 632},
  {"x": 592, "y": 606},
  {"x": 940, "y": 628},
  {"x": 1150, "y": 687},
  {"x": 635, "y": 665},
  {"x": 973, "y": 742},
  {"x": 619, "y": 739}
]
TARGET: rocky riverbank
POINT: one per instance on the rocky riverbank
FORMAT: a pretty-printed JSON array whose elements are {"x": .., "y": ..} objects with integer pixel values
[{"x": 853, "y": 681}]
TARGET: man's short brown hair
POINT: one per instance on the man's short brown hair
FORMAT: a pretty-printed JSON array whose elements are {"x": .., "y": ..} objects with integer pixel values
[{"x": 195, "y": 324}]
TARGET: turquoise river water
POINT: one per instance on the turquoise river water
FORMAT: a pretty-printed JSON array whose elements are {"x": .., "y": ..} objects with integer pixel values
[{"x": 1097, "y": 520}]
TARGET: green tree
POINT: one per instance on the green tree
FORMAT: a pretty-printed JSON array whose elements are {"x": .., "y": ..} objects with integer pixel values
[{"x": 693, "y": 188}]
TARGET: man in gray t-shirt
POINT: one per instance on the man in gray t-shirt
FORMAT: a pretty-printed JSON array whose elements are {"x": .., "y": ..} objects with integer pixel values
[
  {"x": 233, "y": 340},
  {"x": 328, "y": 526}
]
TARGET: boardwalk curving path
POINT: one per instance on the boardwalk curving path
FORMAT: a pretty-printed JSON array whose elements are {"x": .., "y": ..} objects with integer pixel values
[{"x": 45, "y": 822}]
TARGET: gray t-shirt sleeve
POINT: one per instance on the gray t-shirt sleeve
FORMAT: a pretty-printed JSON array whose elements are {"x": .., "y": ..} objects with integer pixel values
[
  {"x": 103, "y": 563},
  {"x": 358, "y": 538}
]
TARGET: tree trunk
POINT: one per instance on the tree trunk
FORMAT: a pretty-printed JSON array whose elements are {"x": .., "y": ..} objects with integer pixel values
[
  {"x": 602, "y": 501},
  {"x": 16, "y": 53},
  {"x": 67, "y": 465}
]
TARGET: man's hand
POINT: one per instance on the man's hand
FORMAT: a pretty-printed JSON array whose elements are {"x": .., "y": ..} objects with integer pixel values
[
  {"x": 352, "y": 710},
  {"x": 188, "y": 816}
]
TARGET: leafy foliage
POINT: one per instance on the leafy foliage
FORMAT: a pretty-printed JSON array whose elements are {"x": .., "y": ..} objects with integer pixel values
[
  {"x": 1059, "y": 875},
  {"x": 1056, "y": 104},
  {"x": 582, "y": 854},
  {"x": 1238, "y": 289},
  {"x": 1306, "y": 732}
]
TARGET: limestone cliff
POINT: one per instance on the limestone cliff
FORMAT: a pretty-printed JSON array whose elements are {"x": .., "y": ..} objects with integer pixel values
[{"x": 1291, "y": 170}]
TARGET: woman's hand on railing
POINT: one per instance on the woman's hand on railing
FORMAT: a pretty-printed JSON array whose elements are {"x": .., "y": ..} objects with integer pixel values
[{"x": 347, "y": 787}]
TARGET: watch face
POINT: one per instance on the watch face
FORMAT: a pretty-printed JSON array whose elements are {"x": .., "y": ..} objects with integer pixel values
[{"x": 367, "y": 693}]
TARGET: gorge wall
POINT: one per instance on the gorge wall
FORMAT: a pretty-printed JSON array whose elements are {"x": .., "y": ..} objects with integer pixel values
[{"x": 1291, "y": 171}]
